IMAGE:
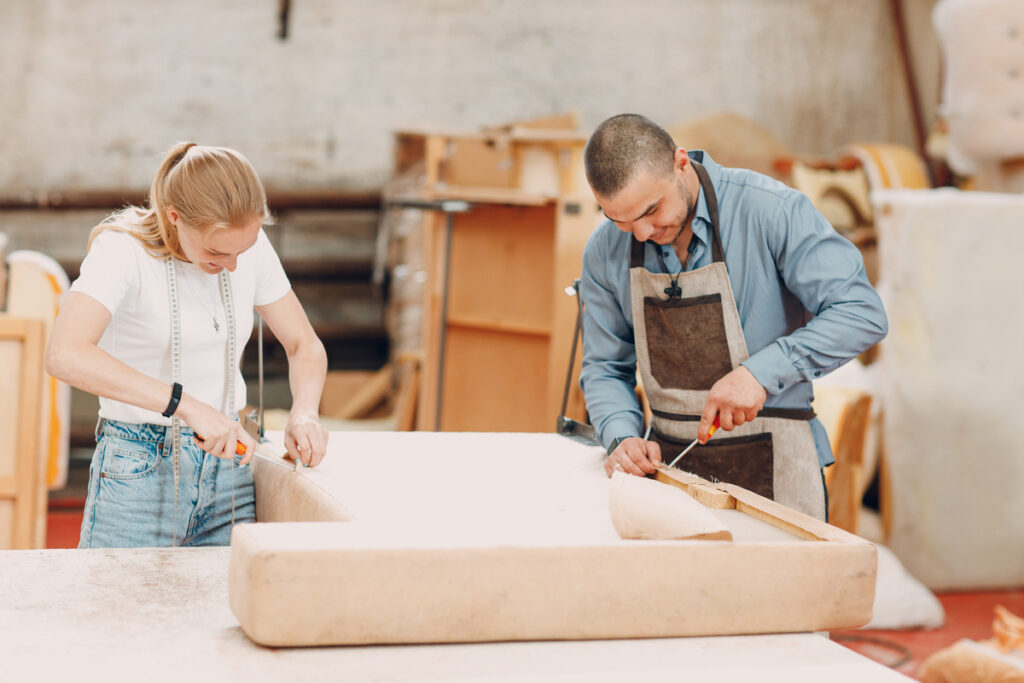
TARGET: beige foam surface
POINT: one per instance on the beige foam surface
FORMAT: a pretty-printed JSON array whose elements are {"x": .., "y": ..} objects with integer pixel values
[{"x": 477, "y": 486}]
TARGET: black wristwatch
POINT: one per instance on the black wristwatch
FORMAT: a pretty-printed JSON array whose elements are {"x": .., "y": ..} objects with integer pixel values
[
  {"x": 175, "y": 399},
  {"x": 615, "y": 443}
]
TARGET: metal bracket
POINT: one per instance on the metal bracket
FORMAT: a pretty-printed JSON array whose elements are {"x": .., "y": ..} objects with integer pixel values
[
  {"x": 253, "y": 422},
  {"x": 449, "y": 207},
  {"x": 566, "y": 426}
]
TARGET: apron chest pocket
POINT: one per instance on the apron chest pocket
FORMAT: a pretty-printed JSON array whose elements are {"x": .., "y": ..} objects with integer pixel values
[
  {"x": 688, "y": 347},
  {"x": 746, "y": 461}
]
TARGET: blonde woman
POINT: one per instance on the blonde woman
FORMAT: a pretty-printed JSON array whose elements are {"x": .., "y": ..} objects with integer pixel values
[{"x": 155, "y": 326}]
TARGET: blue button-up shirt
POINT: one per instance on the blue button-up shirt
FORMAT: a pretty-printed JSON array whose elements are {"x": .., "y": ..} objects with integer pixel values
[{"x": 805, "y": 303}]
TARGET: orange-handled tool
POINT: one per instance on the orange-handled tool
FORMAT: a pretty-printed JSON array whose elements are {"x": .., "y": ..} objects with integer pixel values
[
  {"x": 240, "y": 449},
  {"x": 711, "y": 432}
]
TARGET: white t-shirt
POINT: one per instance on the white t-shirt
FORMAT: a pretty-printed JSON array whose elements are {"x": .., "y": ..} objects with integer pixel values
[{"x": 132, "y": 284}]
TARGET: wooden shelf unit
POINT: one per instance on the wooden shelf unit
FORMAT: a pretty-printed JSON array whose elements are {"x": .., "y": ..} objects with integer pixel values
[{"x": 497, "y": 324}]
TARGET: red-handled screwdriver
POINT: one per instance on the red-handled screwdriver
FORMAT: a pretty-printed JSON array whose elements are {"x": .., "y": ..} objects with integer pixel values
[
  {"x": 711, "y": 432},
  {"x": 240, "y": 449}
]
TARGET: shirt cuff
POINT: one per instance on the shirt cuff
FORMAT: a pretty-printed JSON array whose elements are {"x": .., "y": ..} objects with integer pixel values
[
  {"x": 772, "y": 369},
  {"x": 618, "y": 428}
]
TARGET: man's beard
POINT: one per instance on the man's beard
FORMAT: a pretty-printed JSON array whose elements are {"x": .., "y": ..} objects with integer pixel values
[{"x": 691, "y": 208}]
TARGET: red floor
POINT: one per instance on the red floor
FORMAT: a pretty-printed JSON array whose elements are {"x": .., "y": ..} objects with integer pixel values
[
  {"x": 968, "y": 615},
  {"x": 64, "y": 522}
]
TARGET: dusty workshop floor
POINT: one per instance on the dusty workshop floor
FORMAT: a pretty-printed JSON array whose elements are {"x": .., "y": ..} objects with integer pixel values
[{"x": 968, "y": 614}]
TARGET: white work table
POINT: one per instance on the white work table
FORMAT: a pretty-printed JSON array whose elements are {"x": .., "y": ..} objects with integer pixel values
[{"x": 163, "y": 614}]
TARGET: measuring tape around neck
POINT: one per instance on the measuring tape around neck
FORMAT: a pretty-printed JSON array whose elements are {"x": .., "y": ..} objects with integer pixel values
[{"x": 229, "y": 374}]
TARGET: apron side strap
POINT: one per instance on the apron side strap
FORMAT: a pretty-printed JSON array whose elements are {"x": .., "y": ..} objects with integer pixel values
[{"x": 805, "y": 414}]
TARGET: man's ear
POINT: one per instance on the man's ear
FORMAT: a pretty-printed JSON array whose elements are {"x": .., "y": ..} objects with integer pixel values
[{"x": 680, "y": 159}]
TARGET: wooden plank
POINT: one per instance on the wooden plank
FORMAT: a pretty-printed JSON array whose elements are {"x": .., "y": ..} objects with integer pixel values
[
  {"x": 702, "y": 490},
  {"x": 728, "y": 496},
  {"x": 485, "y": 195},
  {"x": 408, "y": 390},
  {"x": 435, "y": 262},
  {"x": 517, "y": 133},
  {"x": 786, "y": 518},
  {"x": 498, "y": 326},
  {"x": 21, "y": 341}
]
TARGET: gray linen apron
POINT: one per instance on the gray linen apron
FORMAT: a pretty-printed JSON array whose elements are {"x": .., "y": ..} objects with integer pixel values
[{"x": 688, "y": 336}]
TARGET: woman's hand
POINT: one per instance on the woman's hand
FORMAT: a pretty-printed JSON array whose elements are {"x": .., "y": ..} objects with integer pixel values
[
  {"x": 216, "y": 433},
  {"x": 306, "y": 439}
]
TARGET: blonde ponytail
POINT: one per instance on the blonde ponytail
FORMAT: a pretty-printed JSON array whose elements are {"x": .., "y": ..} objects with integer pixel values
[{"x": 210, "y": 188}]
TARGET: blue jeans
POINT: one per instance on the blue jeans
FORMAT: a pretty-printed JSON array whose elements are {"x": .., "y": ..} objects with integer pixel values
[{"x": 130, "y": 503}]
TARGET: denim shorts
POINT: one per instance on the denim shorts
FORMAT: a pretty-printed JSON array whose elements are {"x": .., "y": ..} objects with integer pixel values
[{"x": 131, "y": 503}]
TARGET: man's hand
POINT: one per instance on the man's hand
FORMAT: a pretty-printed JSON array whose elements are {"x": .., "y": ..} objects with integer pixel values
[
  {"x": 736, "y": 399},
  {"x": 634, "y": 456}
]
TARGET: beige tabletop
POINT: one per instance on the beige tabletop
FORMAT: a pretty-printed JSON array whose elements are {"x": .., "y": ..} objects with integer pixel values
[{"x": 163, "y": 614}]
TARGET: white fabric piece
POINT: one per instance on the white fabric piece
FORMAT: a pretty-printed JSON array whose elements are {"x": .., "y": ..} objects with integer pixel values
[
  {"x": 120, "y": 274},
  {"x": 983, "y": 80},
  {"x": 901, "y": 601},
  {"x": 952, "y": 376},
  {"x": 642, "y": 508}
]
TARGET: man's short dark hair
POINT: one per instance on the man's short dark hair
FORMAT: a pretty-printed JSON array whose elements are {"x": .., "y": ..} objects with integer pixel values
[{"x": 623, "y": 145}]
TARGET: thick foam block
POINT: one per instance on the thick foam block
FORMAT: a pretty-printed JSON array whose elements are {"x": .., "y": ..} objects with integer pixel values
[{"x": 362, "y": 583}]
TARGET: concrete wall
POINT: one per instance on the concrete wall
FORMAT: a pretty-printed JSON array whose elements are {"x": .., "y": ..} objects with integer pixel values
[{"x": 96, "y": 90}]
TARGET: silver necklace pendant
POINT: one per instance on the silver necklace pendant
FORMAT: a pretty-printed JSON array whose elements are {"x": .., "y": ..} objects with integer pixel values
[{"x": 216, "y": 325}]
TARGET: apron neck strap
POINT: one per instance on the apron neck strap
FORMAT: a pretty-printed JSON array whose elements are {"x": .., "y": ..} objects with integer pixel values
[
  {"x": 636, "y": 251},
  {"x": 717, "y": 253}
]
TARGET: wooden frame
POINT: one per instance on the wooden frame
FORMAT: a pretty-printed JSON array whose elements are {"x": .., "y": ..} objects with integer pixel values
[{"x": 22, "y": 470}]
